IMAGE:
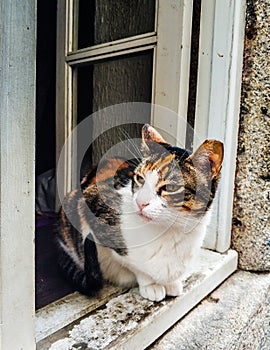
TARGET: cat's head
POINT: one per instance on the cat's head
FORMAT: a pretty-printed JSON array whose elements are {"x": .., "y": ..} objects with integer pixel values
[{"x": 170, "y": 180}]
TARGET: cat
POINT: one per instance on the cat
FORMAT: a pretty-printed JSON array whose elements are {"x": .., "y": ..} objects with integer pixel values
[{"x": 140, "y": 222}]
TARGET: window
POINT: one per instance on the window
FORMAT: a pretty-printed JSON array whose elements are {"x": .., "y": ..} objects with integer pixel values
[{"x": 186, "y": 57}]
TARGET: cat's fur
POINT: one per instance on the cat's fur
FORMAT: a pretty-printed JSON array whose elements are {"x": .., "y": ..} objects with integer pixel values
[{"x": 144, "y": 221}]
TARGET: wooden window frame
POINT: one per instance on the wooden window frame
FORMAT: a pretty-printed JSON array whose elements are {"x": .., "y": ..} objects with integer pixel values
[
  {"x": 67, "y": 59},
  {"x": 17, "y": 174},
  {"x": 217, "y": 108},
  {"x": 218, "y": 101}
]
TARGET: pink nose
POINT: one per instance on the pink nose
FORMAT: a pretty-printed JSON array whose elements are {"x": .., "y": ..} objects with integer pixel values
[{"x": 141, "y": 205}]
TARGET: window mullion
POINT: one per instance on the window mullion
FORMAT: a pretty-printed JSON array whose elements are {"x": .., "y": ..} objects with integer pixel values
[
  {"x": 91, "y": 56},
  {"x": 172, "y": 60},
  {"x": 64, "y": 120},
  {"x": 111, "y": 46}
]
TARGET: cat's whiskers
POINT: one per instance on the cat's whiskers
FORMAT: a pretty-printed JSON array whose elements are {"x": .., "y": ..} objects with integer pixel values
[
  {"x": 132, "y": 143},
  {"x": 178, "y": 218},
  {"x": 130, "y": 151}
]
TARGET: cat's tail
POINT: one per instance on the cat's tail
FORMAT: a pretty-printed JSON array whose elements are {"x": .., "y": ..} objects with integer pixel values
[{"x": 83, "y": 272}]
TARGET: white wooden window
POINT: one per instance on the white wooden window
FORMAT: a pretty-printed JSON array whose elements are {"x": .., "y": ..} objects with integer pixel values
[
  {"x": 217, "y": 107},
  {"x": 17, "y": 160}
]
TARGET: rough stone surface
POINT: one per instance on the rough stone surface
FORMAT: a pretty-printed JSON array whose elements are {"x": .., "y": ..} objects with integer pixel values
[
  {"x": 234, "y": 317},
  {"x": 251, "y": 224}
]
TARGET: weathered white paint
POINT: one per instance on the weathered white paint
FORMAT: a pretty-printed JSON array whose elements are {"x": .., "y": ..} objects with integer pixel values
[
  {"x": 218, "y": 100},
  {"x": 124, "y": 51},
  {"x": 17, "y": 137},
  {"x": 129, "y": 321},
  {"x": 172, "y": 59},
  {"x": 64, "y": 120},
  {"x": 66, "y": 310},
  {"x": 112, "y": 49},
  {"x": 204, "y": 71},
  {"x": 231, "y": 127}
]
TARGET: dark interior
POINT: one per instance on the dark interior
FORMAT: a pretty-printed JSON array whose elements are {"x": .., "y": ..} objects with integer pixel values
[{"x": 49, "y": 283}]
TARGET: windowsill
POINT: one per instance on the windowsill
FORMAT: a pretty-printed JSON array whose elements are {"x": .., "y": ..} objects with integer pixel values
[
  {"x": 127, "y": 319},
  {"x": 68, "y": 309}
]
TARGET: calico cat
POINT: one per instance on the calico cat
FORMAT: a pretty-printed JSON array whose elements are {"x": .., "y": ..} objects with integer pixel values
[{"x": 140, "y": 222}]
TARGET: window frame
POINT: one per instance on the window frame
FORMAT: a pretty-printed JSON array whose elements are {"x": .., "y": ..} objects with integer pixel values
[
  {"x": 17, "y": 174},
  {"x": 218, "y": 88},
  {"x": 218, "y": 106},
  {"x": 66, "y": 60},
  {"x": 166, "y": 87}
]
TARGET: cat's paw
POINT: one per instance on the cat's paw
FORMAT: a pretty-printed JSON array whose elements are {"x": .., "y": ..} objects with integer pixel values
[
  {"x": 153, "y": 292},
  {"x": 174, "y": 289}
]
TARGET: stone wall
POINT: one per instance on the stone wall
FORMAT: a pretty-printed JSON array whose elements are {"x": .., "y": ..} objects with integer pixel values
[{"x": 251, "y": 222}]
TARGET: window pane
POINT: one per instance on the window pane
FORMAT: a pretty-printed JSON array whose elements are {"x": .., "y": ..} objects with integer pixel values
[
  {"x": 101, "y": 21},
  {"x": 107, "y": 83}
]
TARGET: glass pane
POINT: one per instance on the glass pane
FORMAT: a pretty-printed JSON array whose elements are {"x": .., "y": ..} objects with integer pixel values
[
  {"x": 101, "y": 21},
  {"x": 107, "y": 83}
]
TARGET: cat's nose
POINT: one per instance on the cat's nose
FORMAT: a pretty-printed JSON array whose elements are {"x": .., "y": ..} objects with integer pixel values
[{"x": 141, "y": 205}]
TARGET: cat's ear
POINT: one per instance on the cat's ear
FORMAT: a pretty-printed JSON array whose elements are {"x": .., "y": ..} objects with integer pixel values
[
  {"x": 152, "y": 140},
  {"x": 209, "y": 156},
  {"x": 150, "y": 134}
]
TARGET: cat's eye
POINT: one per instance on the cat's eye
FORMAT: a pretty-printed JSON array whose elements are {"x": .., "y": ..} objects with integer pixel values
[
  {"x": 139, "y": 179},
  {"x": 170, "y": 188}
]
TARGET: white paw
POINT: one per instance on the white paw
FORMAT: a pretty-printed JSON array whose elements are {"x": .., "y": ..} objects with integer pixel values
[
  {"x": 153, "y": 292},
  {"x": 174, "y": 289}
]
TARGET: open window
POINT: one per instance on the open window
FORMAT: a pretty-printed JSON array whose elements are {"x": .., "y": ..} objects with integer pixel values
[{"x": 183, "y": 55}]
